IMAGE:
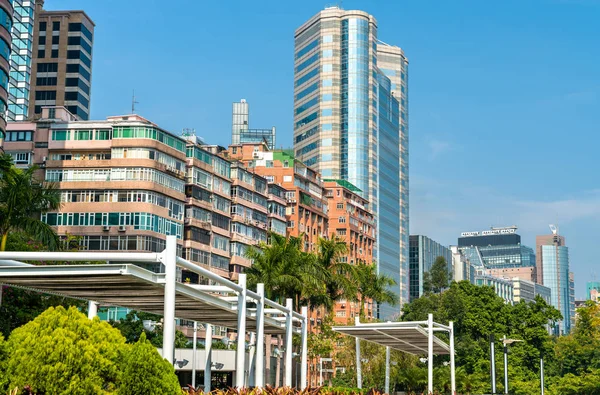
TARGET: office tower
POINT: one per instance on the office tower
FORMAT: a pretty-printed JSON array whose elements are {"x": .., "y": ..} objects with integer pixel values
[
  {"x": 572, "y": 298},
  {"x": 553, "y": 271},
  {"x": 62, "y": 62},
  {"x": 241, "y": 132},
  {"x": 422, "y": 254},
  {"x": 6, "y": 20},
  {"x": 499, "y": 251},
  {"x": 348, "y": 120},
  {"x": 527, "y": 291},
  {"x": 20, "y": 59}
]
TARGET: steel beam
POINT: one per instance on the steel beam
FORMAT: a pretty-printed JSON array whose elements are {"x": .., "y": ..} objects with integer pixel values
[{"x": 169, "y": 256}]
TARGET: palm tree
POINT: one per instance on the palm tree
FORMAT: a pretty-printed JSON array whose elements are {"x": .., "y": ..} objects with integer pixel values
[
  {"x": 286, "y": 271},
  {"x": 337, "y": 275},
  {"x": 22, "y": 199},
  {"x": 374, "y": 286}
]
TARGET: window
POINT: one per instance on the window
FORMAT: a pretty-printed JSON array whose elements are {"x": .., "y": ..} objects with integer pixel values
[
  {"x": 55, "y": 26},
  {"x": 328, "y": 39},
  {"x": 45, "y": 81},
  {"x": 82, "y": 134},
  {"x": 103, "y": 135},
  {"x": 61, "y": 135},
  {"x": 42, "y": 26},
  {"x": 327, "y": 53},
  {"x": 41, "y": 54},
  {"x": 327, "y": 68},
  {"x": 327, "y": 97},
  {"x": 287, "y": 178},
  {"x": 54, "y": 54},
  {"x": 18, "y": 136},
  {"x": 47, "y": 67},
  {"x": 341, "y": 232},
  {"x": 21, "y": 158},
  {"x": 45, "y": 95},
  {"x": 342, "y": 220},
  {"x": 76, "y": 68},
  {"x": 340, "y": 206},
  {"x": 79, "y": 27},
  {"x": 42, "y": 40},
  {"x": 55, "y": 39}
]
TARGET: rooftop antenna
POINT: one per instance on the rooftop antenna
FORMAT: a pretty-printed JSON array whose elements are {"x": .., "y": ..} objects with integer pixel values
[
  {"x": 133, "y": 102},
  {"x": 554, "y": 229}
]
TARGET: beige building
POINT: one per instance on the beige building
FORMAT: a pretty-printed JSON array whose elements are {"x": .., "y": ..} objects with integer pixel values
[{"x": 61, "y": 68}]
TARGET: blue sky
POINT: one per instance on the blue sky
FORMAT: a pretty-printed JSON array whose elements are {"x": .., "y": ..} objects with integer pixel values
[{"x": 504, "y": 97}]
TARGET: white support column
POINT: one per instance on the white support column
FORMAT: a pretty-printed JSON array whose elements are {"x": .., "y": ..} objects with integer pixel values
[
  {"x": 304, "y": 359},
  {"x": 452, "y": 366},
  {"x": 358, "y": 361},
  {"x": 542, "y": 374},
  {"x": 208, "y": 362},
  {"x": 251, "y": 360},
  {"x": 387, "y": 370},
  {"x": 195, "y": 340},
  {"x": 430, "y": 355},
  {"x": 169, "y": 260},
  {"x": 288, "y": 343},
  {"x": 259, "y": 379},
  {"x": 321, "y": 372},
  {"x": 240, "y": 353},
  {"x": 92, "y": 309}
]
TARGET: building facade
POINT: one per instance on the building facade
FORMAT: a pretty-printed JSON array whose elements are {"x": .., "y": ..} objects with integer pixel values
[
  {"x": 462, "y": 269},
  {"x": 526, "y": 291},
  {"x": 6, "y": 19},
  {"x": 62, "y": 62},
  {"x": 241, "y": 133},
  {"x": 348, "y": 120},
  {"x": 422, "y": 254},
  {"x": 351, "y": 221},
  {"x": 553, "y": 271},
  {"x": 502, "y": 287},
  {"x": 20, "y": 58},
  {"x": 592, "y": 286}
]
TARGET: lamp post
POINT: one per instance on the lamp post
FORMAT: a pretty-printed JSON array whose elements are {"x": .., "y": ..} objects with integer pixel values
[{"x": 506, "y": 342}]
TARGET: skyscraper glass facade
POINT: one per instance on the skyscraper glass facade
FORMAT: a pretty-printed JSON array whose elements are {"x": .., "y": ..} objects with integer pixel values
[
  {"x": 20, "y": 60},
  {"x": 422, "y": 254},
  {"x": 6, "y": 21},
  {"x": 555, "y": 261},
  {"x": 350, "y": 123}
]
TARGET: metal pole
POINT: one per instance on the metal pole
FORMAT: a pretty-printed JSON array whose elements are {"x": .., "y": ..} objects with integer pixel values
[
  {"x": 251, "y": 360},
  {"x": 208, "y": 362},
  {"x": 493, "y": 364},
  {"x": 304, "y": 359},
  {"x": 195, "y": 340},
  {"x": 505, "y": 365},
  {"x": 288, "y": 343},
  {"x": 169, "y": 261},
  {"x": 92, "y": 309},
  {"x": 358, "y": 361},
  {"x": 430, "y": 354},
  {"x": 240, "y": 354},
  {"x": 452, "y": 366},
  {"x": 387, "y": 370},
  {"x": 542, "y": 374},
  {"x": 259, "y": 379}
]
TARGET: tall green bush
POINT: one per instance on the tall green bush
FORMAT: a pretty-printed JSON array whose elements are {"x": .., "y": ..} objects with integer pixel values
[
  {"x": 147, "y": 373},
  {"x": 63, "y": 352}
]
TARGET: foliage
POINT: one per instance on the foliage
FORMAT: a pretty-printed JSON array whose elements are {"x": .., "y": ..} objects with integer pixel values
[
  {"x": 437, "y": 278},
  {"x": 132, "y": 328},
  {"x": 374, "y": 286},
  {"x": 62, "y": 351},
  {"x": 22, "y": 199},
  {"x": 146, "y": 372}
]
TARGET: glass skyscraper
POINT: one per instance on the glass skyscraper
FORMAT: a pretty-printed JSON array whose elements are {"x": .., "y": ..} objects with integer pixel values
[
  {"x": 351, "y": 123},
  {"x": 240, "y": 127},
  {"x": 423, "y": 253},
  {"x": 20, "y": 60},
  {"x": 553, "y": 268}
]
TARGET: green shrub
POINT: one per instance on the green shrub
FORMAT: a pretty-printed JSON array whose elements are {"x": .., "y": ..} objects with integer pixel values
[{"x": 147, "y": 373}]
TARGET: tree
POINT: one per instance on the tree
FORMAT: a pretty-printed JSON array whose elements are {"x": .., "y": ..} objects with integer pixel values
[
  {"x": 437, "y": 278},
  {"x": 62, "y": 351},
  {"x": 22, "y": 198},
  {"x": 374, "y": 286},
  {"x": 132, "y": 328},
  {"x": 147, "y": 373}
]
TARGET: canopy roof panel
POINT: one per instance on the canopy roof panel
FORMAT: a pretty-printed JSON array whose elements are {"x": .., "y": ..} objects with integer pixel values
[
  {"x": 408, "y": 337},
  {"x": 130, "y": 286}
]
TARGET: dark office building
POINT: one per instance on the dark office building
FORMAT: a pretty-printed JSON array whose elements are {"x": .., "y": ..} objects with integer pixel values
[
  {"x": 422, "y": 254},
  {"x": 61, "y": 71}
]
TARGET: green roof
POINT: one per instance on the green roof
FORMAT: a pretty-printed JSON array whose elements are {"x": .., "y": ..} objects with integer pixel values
[
  {"x": 283, "y": 155},
  {"x": 345, "y": 184}
]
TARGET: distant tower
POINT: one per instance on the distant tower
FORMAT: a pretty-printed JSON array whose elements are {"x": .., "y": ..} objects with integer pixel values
[{"x": 240, "y": 120}]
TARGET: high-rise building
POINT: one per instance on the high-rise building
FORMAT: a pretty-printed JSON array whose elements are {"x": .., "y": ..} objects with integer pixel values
[
  {"x": 422, "y": 254},
  {"x": 572, "y": 298},
  {"x": 553, "y": 271},
  {"x": 241, "y": 133},
  {"x": 351, "y": 123},
  {"x": 499, "y": 249},
  {"x": 6, "y": 21},
  {"x": 592, "y": 290},
  {"x": 20, "y": 60},
  {"x": 62, "y": 61}
]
